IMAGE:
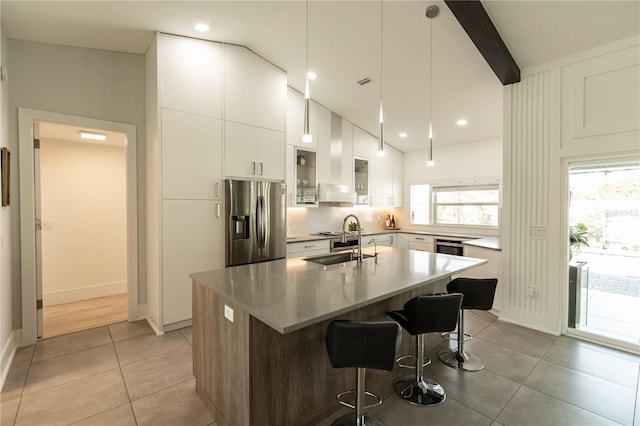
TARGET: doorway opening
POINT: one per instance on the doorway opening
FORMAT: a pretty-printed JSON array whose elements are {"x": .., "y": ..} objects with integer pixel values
[
  {"x": 83, "y": 227},
  {"x": 604, "y": 227},
  {"x": 30, "y": 213}
]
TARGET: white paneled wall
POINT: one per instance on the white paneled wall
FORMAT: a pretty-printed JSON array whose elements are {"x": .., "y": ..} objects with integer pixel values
[
  {"x": 583, "y": 106},
  {"x": 529, "y": 296}
]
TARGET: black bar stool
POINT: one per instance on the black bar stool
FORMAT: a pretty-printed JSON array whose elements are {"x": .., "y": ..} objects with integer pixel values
[
  {"x": 478, "y": 294},
  {"x": 425, "y": 314},
  {"x": 362, "y": 345}
]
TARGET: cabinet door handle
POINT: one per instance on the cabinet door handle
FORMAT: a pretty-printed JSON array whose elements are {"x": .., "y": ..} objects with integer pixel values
[
  {"x": 261, "y": 168},
  {"x": 253, "y": 167},
  {"x": 218, "y": 210},
  {"x": 309, "y": 246},
  {"x": 391, "y": 240},
  {"x": 420, "y": 238},
  {"x": 218, "y": 189}
]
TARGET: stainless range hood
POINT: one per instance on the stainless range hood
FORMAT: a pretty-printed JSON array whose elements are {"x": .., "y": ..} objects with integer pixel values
[{"x": 336, "y": 193}]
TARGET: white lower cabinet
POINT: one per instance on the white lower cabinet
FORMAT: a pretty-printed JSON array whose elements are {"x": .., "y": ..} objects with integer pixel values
[
  {"x": 192, "y": 241},
  {"x": 386, "y": 239},
  {"x": 421, "y": 242},
  {"x": 308, "y": 248}
]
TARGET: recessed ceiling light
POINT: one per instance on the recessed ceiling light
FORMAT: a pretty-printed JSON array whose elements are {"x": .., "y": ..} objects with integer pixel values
[
  {"x": 201, "y": 27},
  {"x": 311, "y": 75},
  {"x": 92, "y": 136},
  {"x": 403, "y": 135},
  {"x": 462, "y": 122}
]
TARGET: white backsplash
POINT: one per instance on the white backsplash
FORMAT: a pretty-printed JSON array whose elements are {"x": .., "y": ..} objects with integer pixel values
[{"x": 301, "y": 220}]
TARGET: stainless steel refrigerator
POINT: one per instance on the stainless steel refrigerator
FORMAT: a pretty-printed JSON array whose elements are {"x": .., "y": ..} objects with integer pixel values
[{"x": 255, "y": 221}]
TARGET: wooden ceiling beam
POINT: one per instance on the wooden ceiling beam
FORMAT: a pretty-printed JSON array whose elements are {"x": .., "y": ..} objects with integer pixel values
[{"x": 478, "y": 26}]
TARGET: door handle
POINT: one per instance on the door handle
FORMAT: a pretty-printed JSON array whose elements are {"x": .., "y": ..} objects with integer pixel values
[{"x": 218, "y": 210}]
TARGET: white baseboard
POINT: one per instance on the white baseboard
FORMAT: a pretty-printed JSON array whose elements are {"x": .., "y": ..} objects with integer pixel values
[
  {"x": 82, "y": 293},
  {"x": 8, "y": 352},
  {"x": 530, "y": 326},
  {"x": 156, "y": 329}
]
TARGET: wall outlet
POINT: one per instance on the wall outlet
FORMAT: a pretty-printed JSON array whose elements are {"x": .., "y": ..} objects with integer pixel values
[
  {"x": 531, "y": 291},
  {"x": 541, "y": 232},
  {"x": 228, "y": 313}
]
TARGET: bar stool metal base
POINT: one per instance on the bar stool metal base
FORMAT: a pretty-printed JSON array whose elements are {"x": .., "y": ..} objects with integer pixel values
[
  {"x": 426, "y": 392},
  {"x": 351, "y": 420},
  {"x": 466, "y": 362}
]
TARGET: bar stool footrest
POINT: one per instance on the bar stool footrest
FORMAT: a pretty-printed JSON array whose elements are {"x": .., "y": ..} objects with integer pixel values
[
  {"x": 353, "y": 406},
  {"x": 453, "y": 335},
  {"x": 425, "y": 362}
]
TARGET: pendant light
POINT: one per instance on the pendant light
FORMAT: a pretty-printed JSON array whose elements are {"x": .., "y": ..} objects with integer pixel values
[
  {"x": 381, "y": 140},
  {"x": 432, "y": 12},
  {"x": 306, "y": 133}
]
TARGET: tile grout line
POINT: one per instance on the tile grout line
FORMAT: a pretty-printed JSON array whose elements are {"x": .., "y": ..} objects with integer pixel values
[{"x": 124, "y": 382}]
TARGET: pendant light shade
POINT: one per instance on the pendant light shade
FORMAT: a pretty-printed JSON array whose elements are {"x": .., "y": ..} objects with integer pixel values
[
  {"x": 381, "y": 140},
  {"x": 431, "y": 12},
  {"x": 306, "y": 133}
]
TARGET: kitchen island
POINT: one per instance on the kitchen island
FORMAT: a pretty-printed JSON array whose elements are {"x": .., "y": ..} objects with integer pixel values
[{"x": 259, "y": 329}]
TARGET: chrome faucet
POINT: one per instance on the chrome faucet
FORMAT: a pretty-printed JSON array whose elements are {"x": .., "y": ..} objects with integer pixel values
[{"x": 344, "y": 234}]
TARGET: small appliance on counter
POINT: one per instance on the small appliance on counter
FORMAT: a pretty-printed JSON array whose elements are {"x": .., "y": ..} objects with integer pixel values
[{"x": 255, "y": 221}]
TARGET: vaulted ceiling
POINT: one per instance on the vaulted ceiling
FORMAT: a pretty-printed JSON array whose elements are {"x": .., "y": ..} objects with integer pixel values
[{"x": 344, "y": 47}]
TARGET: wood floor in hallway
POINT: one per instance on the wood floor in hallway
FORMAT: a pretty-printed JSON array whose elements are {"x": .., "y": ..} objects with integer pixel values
[{"x": 85, "y": 314}]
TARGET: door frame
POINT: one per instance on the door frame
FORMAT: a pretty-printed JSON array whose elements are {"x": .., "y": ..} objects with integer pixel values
[
  {"x": 26, "y": 118},
  {"x": 567, "y": 163}
]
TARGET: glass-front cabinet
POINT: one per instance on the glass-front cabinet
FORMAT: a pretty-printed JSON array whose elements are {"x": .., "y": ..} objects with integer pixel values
[
  {"x": 361, "y": 181},
  {"x": 305, "y": 178}
]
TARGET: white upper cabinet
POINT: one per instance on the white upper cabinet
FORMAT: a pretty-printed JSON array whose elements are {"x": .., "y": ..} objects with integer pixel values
[
  {"x": 254, "y": 152},
  {"x": 190, "y": 75},
  {"x": 381, "y": 181},
  {"x": 191, "y": 156},
  {"x": 362, "y": 142},
  {"x": 255, "y": 90}
]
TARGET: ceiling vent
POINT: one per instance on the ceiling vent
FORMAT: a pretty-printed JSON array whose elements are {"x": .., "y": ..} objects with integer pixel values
[{"x": 364, "y": 81}]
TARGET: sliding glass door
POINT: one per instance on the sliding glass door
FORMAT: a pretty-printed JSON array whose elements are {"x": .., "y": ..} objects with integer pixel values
[{"x": 604, "y": 236}]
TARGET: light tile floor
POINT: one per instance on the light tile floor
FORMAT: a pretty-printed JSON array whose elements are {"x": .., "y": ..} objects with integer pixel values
[{"x": 124, "y": 375}]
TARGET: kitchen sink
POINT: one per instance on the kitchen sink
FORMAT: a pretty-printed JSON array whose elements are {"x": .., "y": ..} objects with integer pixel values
[{"x": 332, "y": 259}]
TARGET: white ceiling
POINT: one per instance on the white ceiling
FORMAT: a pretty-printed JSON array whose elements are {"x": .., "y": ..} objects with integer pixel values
[
  {"x": 344, "y": 46},
  {"x": 61, "y": 132}
]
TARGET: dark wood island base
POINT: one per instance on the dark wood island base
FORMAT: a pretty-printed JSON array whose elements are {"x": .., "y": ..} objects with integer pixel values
[{"x": 247, "y": 373}]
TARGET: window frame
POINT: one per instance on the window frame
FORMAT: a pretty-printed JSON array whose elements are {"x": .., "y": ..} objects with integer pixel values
[{"x": 440, "y": 186}]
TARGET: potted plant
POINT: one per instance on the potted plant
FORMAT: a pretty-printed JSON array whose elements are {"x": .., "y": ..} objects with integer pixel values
[{"x": 578, "y": 238}]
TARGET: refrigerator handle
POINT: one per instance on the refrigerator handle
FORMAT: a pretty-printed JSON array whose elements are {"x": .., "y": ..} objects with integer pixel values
[{"x": 260, "y": 222}]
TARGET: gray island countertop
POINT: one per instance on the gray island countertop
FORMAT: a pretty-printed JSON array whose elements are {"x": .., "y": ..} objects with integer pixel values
[{"x": 290, "y": 294}]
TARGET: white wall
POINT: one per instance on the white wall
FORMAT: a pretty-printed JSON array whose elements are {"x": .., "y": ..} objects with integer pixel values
[
  {"x": 84, "y": 242},
  {"x": 461, "y": 162},
  {"x": 83, "y": 82},
  {"x": 8, "y": 295},
  {"x": 580, "y": 107}
]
